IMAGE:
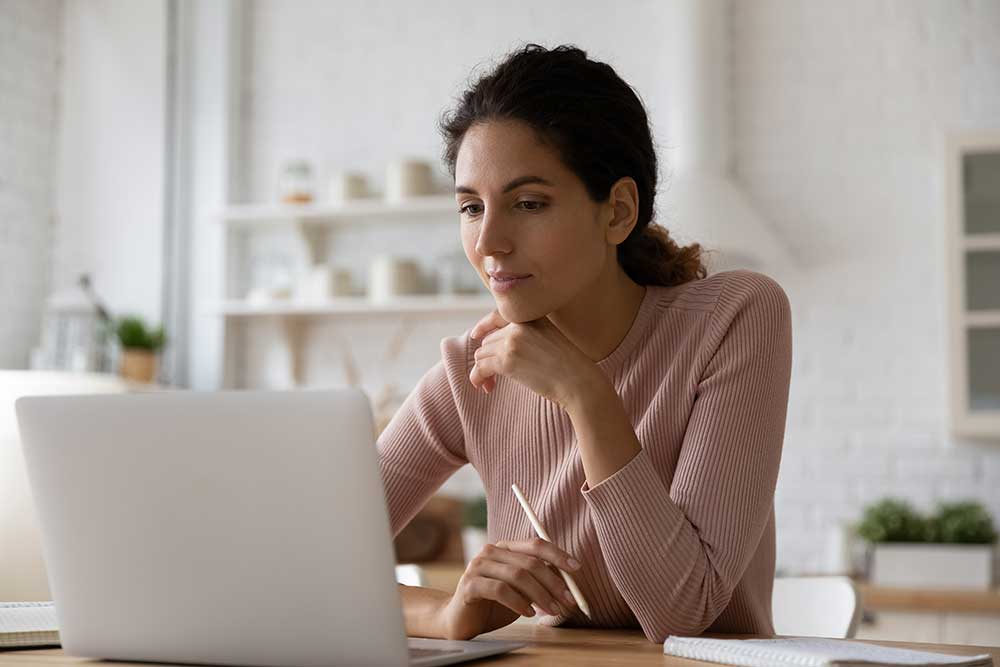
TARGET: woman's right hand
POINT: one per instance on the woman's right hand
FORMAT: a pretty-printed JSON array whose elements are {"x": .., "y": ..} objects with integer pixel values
[{"x": 502, "y": 581}]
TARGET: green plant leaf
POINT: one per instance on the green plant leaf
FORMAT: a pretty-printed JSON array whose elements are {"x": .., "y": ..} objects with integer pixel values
[
  {"x": 132, "y": 332},
  {"x": 958, "y": 522},
  {"x": 892, "y": 520},
  {"x": 963, "y": 522}
]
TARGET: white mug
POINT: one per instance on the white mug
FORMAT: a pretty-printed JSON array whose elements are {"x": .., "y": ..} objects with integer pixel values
[
  {"x": 408, "y": 178},
  {"x": 390, "y": 276},
  {"x": 323, "y": 282},
  {"x": 347, "y": 185}
]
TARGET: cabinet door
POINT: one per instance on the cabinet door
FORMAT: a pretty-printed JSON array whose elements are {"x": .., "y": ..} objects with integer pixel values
[
  {"x": 902, "y": 626},
  {"x": 984, "y": 368},
  {"x": 982, "y": 280},
  {"x": 971, "y": 629},
  {"x": 973, "y": 231},
  {"x": 981, "y": 192}
]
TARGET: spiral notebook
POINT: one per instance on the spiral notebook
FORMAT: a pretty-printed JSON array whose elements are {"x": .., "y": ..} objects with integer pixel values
[
  {"x": 811, "y": 652},
  {"x": 26, "y": 624}
]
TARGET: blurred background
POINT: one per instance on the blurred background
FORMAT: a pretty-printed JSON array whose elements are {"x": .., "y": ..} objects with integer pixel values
[{"x": 206, "y": 195}]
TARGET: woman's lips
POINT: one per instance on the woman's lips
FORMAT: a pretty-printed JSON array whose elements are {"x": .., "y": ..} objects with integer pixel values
[{"x": 505, "y": 285}]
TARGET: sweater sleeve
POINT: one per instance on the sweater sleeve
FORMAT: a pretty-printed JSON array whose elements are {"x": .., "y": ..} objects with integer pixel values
[
  {"x": 676, "y": 553},
  {"x": 424, "y": 444}
]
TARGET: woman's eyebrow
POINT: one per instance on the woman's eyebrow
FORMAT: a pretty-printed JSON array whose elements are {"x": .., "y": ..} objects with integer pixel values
[{"x": 520, "y": 180}]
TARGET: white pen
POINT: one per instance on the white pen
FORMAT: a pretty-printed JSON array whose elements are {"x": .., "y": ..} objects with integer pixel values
[{"x": 533, "y": 518}]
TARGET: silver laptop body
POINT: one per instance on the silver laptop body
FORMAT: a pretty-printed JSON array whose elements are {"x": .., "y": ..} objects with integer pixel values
[{"x": 231, "y": 527}]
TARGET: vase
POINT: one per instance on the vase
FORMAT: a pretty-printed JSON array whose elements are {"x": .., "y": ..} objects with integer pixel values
[
  {"x": 138, "y": 364},
  {"x": 929, "y": 565}
]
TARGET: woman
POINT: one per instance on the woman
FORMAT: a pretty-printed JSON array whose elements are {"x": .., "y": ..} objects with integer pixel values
[{"x": 638, "y": 403}]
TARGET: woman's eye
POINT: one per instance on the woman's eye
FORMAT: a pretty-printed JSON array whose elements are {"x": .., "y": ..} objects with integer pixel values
[{"x": 532, "y": 206}]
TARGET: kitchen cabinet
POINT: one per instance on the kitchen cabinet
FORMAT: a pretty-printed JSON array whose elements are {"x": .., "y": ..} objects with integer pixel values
[{"x": 973, "y": 261}]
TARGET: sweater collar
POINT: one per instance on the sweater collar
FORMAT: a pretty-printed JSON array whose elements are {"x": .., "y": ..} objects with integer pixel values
[{"x": 635, "y": 332}]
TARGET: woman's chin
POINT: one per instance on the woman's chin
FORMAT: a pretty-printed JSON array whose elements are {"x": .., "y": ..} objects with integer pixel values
[{"x": 516, "y": 311}]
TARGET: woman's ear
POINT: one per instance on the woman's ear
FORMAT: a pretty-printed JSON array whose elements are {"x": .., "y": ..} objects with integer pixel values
[{"x": 624, "y": 204}]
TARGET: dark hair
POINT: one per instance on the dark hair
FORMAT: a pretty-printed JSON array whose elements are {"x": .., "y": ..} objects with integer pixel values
[{"x": 598, "y": 125}]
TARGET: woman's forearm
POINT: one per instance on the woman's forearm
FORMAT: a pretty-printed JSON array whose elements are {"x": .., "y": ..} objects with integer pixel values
[
  {"x": 421, "y": 610},
  {"x": 604, "y": 433}
]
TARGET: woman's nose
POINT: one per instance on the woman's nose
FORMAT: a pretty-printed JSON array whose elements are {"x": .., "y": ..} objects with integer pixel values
[{"x": 493, "y": 238}]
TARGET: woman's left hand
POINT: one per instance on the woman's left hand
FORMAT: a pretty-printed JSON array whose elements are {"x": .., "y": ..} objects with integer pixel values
[{"x": 536, "y": 354}]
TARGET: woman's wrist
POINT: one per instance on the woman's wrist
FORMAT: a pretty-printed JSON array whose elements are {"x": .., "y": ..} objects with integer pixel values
[
  {"x": 442, "y": 628},
  {"x": 447, "y": 626},
  {"x": 604, "y": 433},
  {"x": 587, "y": 392},
  {"x": 424, "y": 611}
]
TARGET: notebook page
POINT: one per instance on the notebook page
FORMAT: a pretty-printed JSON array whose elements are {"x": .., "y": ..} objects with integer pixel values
[
  {"x": 810, "y": 652},
  {"x": 28, "y": 624}
]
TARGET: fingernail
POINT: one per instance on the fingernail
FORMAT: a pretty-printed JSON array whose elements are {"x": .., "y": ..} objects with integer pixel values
[
  {"x": 569, "y": 597},
  {"x": 574, "y": 563}
]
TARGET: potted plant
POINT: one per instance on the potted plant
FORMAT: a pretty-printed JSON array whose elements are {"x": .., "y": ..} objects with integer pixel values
[
  {"x": 473, "y": 527},
  {"x": 140, "y": 346},
  {"x": 952, "y": 548}
]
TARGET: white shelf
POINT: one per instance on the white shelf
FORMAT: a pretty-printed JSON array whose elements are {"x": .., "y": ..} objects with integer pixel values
[
  {"x": 417, "y": 304},
  {"x": 981, "y": 241},
  {"x": 982, "y": 318},
  {"x": 325, "y": 214},
  {"x": 316, "y": 224}
]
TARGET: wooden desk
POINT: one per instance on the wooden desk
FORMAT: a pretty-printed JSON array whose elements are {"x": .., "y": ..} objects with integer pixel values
[
  {"x": 945, "y": 616},
  {"x": 548, "y": 647},
  {"x": 895, "y": 614},
  {"x": 879, "y": 598}
]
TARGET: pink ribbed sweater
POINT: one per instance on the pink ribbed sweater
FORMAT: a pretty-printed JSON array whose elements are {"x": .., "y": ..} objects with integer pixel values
[{"x": 681, "y": 539}]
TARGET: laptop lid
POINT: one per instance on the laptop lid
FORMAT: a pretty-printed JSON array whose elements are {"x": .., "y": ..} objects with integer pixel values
[{"x": 233, "y": 527}]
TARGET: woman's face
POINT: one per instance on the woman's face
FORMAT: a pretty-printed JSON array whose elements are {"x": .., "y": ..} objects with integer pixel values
[{"x": 524, "y": 213}]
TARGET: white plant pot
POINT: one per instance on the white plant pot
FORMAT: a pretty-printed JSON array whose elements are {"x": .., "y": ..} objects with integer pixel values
[
  {"x": 473, "y": 541},
  {"x": 926, "y": 565}
]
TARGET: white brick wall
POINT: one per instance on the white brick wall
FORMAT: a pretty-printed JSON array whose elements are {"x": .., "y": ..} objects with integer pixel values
[
  {"x": 110, "y": 156},
  {"x": 352, "y": 85},
  {"x": 839, "y": 113},
  {"x": 29, "y": 74},
  {"x": 355, "y": 84}
]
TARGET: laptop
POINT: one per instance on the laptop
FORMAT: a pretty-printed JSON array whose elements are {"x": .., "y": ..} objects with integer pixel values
[{"x": 229, "y": 527}]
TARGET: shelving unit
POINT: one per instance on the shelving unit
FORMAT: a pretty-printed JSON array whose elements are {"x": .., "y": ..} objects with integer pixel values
[
  {"x": 973, "y": 249},
  {"x": 347, "y": 213},
  {"x": 313, "y": 224},
  {"x": 427, "y": 305}
]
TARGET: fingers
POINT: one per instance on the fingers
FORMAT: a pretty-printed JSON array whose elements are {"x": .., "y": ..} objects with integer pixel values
[
  {"x": 484, "y": 369},
  {"x": 494, "y": 589},
  {"x": 541, "y": 553},
  {"x": 494, "y": 320},
  {"x": 543, "y": 549},
  {"x": 485, "y": 377},
  {"x": 524, "y": 583},
  {"x": 557, "y": 598},
  {"x": 530, "y": 579}
]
